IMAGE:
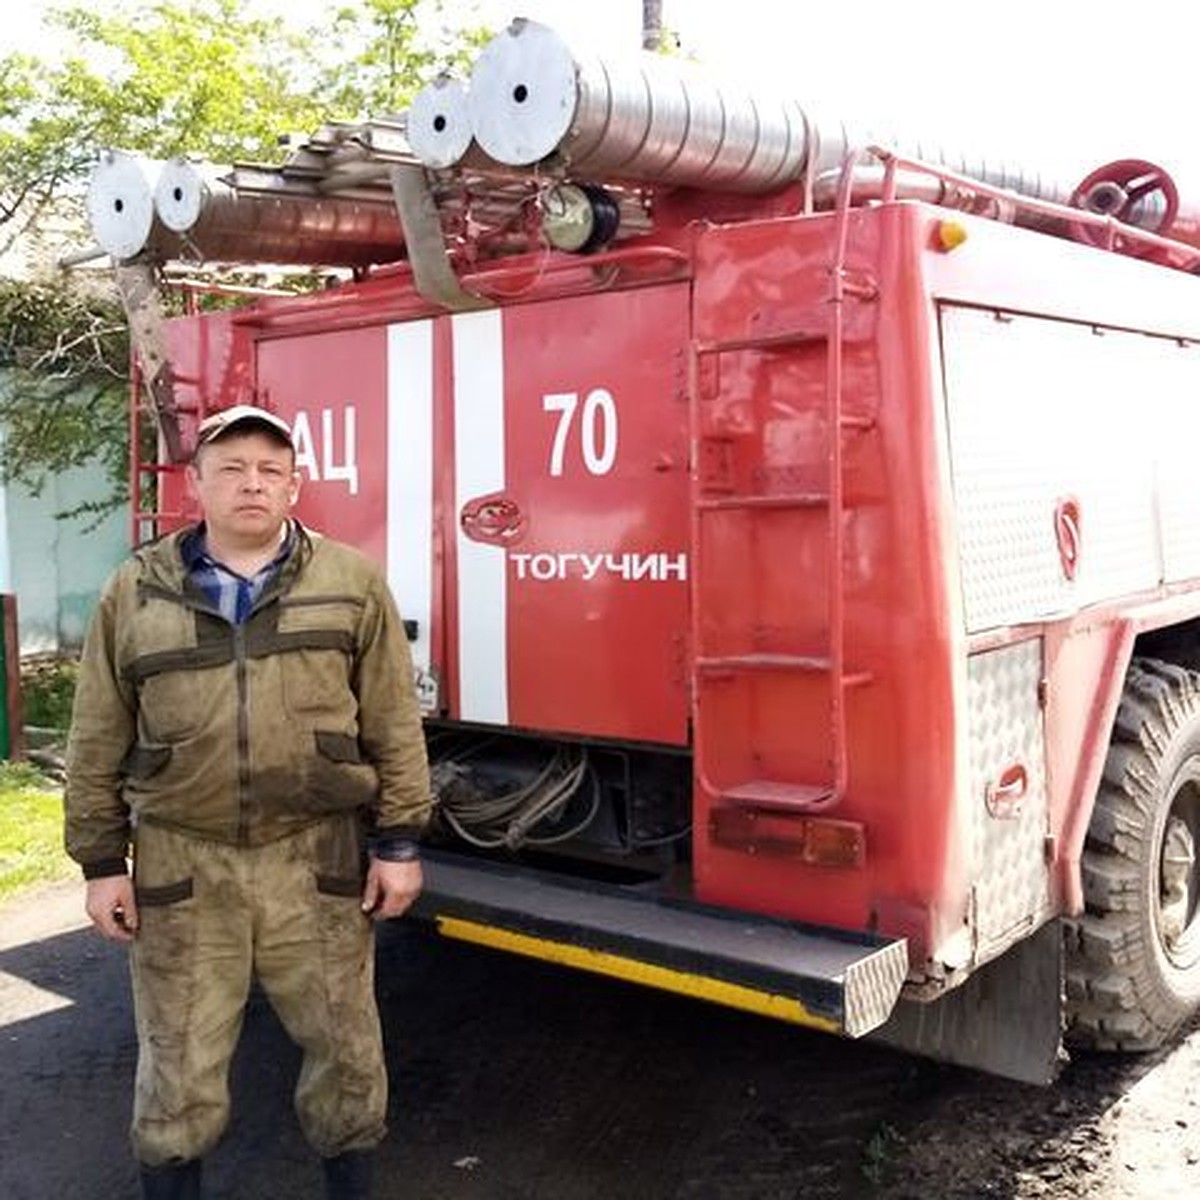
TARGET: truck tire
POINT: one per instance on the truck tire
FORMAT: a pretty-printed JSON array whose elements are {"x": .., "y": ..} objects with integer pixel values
[{"x": 1133, "y": 956}]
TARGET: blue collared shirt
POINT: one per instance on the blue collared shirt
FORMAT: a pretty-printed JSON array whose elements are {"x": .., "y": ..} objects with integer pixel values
[{"x": 233, "y": 595}]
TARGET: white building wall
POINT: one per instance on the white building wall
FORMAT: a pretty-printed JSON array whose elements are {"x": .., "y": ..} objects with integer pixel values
[{"x": 57, "y": 567}]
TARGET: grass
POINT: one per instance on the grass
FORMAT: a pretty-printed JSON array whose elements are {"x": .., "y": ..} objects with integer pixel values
[{"x": 30, "y": 830}]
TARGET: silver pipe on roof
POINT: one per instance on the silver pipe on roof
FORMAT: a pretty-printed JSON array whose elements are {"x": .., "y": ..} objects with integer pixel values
[
  {"x": 439, "y": 123},
  {"x": 218, "y": 221},
  {"x": 659, "y": 120},
  {"x": 120, "y": 205}
]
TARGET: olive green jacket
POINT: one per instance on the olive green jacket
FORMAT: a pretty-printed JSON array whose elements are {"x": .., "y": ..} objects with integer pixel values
[{"x": 243, "y": 734}]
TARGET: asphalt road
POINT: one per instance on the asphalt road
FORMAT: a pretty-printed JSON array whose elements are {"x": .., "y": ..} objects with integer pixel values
[{"x": 514, "y": 1080}]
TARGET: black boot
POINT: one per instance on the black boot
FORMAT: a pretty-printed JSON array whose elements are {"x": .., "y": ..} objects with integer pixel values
[
  {"x": 175, "y": 1181},
  {"x": 348, "y": 1175}
]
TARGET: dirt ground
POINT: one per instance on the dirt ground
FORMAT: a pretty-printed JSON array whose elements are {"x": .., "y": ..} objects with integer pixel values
[{"x": 514, "y": 1080}]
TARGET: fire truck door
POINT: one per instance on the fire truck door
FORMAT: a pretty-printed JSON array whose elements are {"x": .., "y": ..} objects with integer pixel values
[
  {"x": 361, "y": 403},
  {"x": 571, "y": 520}
]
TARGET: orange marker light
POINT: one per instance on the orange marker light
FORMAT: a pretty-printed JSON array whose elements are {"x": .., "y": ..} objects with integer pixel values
[{"x": 949, "y": 235}]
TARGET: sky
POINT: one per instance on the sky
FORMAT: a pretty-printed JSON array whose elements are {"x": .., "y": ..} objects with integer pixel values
[{"x": 1056, "y": 84}]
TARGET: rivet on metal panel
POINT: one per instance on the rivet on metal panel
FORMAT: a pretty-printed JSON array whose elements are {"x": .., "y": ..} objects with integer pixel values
[
  {"x": 679, "y": 375},
  {"x": 716, "y": 464},
  {"x": 708, "y": 376}
]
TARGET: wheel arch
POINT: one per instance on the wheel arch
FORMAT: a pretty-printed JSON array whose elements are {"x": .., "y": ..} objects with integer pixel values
[
  {"x": 1088, "y": 657},
  {"x": 1177, "y": 643}
]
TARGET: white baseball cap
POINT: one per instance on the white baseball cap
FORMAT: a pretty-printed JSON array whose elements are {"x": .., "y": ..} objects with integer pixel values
[{"x": 244, "y": 417}]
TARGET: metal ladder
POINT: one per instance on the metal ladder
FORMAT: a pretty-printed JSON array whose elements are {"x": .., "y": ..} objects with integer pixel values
[
  {"x": 147, "y": 522},
  {"x": 789, "y": 796}
]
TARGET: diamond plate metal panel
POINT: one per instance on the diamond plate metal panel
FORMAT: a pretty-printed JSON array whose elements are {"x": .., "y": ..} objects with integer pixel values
[
  {"x": 1008, "y": 831},
  {"x": 1038, "y": 412},
  {"x": 1177, "y": 393},
  {"x": 872, "y": 987}
]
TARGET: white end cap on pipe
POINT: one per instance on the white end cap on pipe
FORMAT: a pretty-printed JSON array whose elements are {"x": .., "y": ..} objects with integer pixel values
[
  {"x": 439, "y": 123},
  {"x": 179, "y": 195},
  {"x": 120, "y": 203},
  {"x": 523, "y": 94}
]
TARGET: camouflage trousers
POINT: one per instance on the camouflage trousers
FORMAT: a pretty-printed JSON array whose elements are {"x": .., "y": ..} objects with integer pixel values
[{"x": 212, "y": 917}]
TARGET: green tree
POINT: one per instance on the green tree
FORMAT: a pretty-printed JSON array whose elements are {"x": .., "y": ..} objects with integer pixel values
[
  {"x": 202, "y": 77},
  {"x": 162, "y": 79},
  {"x": 31, "y": 166},
  {"x": 190, "y": 78},
  {"x": 64, "y": 353},
  {"x": 390, "y": 49},
  {"x": 207, "y": 78}
]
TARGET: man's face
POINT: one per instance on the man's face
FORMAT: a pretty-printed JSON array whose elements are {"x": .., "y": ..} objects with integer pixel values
[{"x": 246, "y": 484}]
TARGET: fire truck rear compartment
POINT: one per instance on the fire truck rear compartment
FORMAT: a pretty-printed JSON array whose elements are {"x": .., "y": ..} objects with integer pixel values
[
  {"x": 602, "y": 881},
  {"x": 617, "y": 812}
]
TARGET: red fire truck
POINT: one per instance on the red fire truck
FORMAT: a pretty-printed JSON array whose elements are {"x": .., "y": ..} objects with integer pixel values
[{"x": 799, "y": 541}]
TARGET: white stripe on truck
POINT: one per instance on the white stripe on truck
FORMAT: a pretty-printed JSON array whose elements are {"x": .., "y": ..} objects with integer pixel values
[
  {"x": 410, "y": 479},
  {"x": 480, "y": 470}
]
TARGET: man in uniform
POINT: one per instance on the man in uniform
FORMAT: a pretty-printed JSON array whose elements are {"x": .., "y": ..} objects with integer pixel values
[{"x": 247, "y": 731}]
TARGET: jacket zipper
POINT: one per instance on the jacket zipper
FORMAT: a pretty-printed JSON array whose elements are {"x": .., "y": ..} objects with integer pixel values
[{"x": 243, "y": 735}]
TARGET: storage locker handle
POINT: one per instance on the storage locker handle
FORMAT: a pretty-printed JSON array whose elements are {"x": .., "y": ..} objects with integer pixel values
[
  {"x": 1069, "y": 535},
  {"x": 495, "y": 519},
  {"x": 1004, "y": 795}
]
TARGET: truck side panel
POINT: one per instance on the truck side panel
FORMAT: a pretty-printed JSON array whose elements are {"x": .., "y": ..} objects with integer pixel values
[{"x": 531, "y": 506}]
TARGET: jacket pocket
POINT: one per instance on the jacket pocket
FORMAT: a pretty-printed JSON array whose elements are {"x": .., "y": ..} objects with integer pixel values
[
  {"x": 339, "y": 856},
  {"x": 172, "y": 704},
  {"x": 164, "y": 895},
  {"x": 340, "y": 778},
  {"x": 316, "y": 681},
  {"x": 144, "y": 761},
  {"x": 338, "y": 747}
]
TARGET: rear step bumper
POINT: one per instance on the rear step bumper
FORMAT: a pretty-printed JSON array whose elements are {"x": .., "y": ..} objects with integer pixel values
[{"x": 840, "y": 982}]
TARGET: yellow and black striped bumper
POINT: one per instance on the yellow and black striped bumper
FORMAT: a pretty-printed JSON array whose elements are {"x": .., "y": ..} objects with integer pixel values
[{"x": 844, "y": 983}]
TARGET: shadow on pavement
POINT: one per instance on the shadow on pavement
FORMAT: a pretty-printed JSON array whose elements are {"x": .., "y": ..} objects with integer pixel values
[{"x": 516, "y": 1080}]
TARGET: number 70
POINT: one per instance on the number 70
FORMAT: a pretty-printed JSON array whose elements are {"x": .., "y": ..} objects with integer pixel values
[{"x": 598, "y": 429}]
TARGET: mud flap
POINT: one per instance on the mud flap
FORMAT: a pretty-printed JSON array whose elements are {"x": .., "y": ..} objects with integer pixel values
[{"x": 1006, "y": 1019}]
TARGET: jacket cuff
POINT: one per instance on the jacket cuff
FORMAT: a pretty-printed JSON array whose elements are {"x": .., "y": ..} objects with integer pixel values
[
  {"x": 394, "y": 845},
  {"x": 105, "y": 868}
]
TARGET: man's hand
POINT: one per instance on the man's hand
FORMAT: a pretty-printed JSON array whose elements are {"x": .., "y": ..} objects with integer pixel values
[
  {"x": 391, "y": 887},
  {"x": 112, "y": 907}
]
